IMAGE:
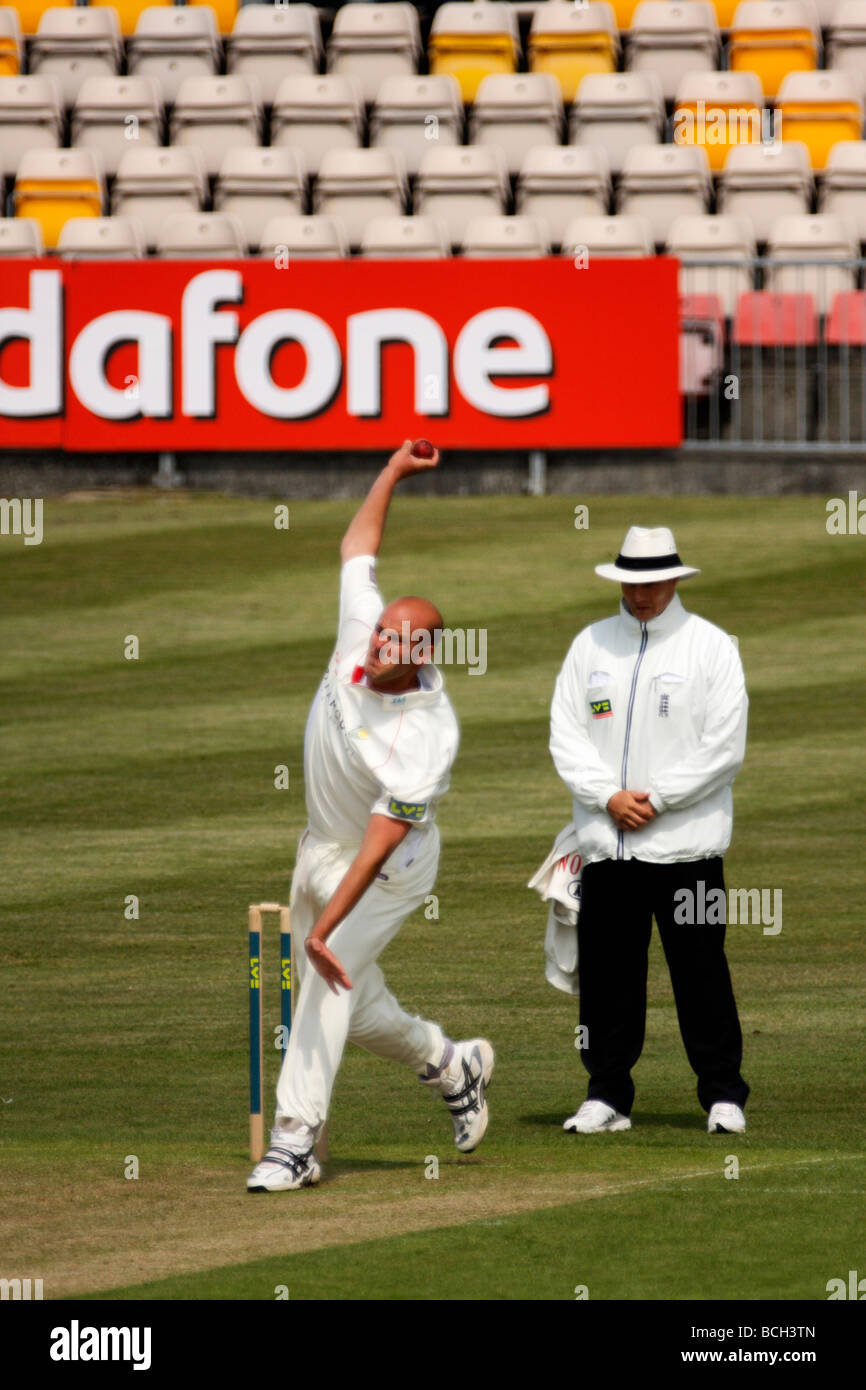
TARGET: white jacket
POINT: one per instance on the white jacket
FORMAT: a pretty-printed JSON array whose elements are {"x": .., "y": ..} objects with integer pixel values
[{"x": 658, "y": 707}]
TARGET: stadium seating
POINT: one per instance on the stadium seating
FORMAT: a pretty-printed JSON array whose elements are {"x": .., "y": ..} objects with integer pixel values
[
  {"x": 30, "y": 12},
  {"x": 718, "y": 110},
  {"x": 767, "y": 319},
  {"x": 473, "y": 40},
  {"x": 31, "y": 117},
  {"x": 71, "y": 44},
  {"x": 103, "y": 238},
  {"x": 53, "y": 185},
  {"x": 766, "y": 182},
  {"x": 455, "y": 185},
  {"x": 404, "y": 238},
  {"x": 226, "y": 12},
  {"x": 153, "y": 184},
  {"x": 272, "y": 42},
  {"x": 673, "y": 40},
  {"x": 370, "y": 42},
  {"x": 304, "y": 238},
  {"x": 129, "y": 11},
  {"x": 846, "y": 322},
  {"x": 717, "y": 239},
  {"x": 255, "y": 185},
  {"x": 617, "y": 111},
  {"x": 621, "y": 236},
  {"x": 842, "y": 186},
  {"x": 662, "y": 182},
  {"x": 772, "y": 38},
  {"x": 173, "y": 43},
  {"x": 517, "y": 111},
  {"x": 821, "y": 108},
  {"x": 357, "y": 185},
  {"x": 497, "y": 238},
  {"x": 846, "y": 37},
  {"x": 215, "y": 114},
  {"x": 10, "y": 42},
  {"x": 317, "y": 114},
  {"x": 20, "y": 237},
  {"x": 200, "y": 236},
  {"x": 568, "y": 41},
  {"x": 702, "y": 344},
  {"x": 110, "y": 113},
  {"x": 410, "y": 112},
  {"x": 821, "y": 238},
  {"x": 557, "y": 184}
]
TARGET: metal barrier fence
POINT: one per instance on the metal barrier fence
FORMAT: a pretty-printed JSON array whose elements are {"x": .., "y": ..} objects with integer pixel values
[{"x": 773, "y": 353}]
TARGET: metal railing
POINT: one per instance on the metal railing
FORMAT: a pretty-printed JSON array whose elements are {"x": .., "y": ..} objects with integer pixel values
[{"x": 799, "y": 387}]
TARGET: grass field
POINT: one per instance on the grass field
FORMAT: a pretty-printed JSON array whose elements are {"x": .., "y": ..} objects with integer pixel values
[{"x": 125, "y": 1038}]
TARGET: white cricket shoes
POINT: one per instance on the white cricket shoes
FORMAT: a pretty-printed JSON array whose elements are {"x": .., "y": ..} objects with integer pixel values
[
  {"x": 596, "y": 1117},
  {"x": 462, "y": 1085},
  {"x": 283, "y": 1169},
  {"x": 725, "y": 1118}
]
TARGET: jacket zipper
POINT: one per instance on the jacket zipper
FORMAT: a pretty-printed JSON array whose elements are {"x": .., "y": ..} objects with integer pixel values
[{"x": 620, "y": 837}]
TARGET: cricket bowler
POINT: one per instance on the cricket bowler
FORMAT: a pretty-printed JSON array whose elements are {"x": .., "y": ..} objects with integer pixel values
[{"x": 379, "y": 744}]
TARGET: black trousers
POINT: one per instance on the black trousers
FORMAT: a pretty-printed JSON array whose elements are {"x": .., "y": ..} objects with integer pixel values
[{"x": 619, "y": 900}]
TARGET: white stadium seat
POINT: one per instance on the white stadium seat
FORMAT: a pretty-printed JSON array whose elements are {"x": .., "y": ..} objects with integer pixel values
[
  {"x": 618, "y": 110},
  {"x": 200, "y": 235},
  {"x": 404, "y": 238},
  {"x": 818, "y": 238},
  {"x": 304, "y": 238},
  {"x": 74, "y": 43},
  {"x": 517, "y": 111},
  {"x": 766, "y": 182},
  {"x": 412, "y": 112},
  {"x": 112, "y": 113},
  {"x": 215, "y": 114},
  {"x": 370, "y": 42},
  {"x": 318, "y": 114},
  {"x": 661, "y": 182},
  {"x": 272, "y": 42},
  {"x": 254, "y": 185},
  {"x": 563, "y": 182},
  {"x": 842, "y": 186},
  {"x": 101, "y": 238},
  {"x": 621, "y": 236},
  {"x": 153, "y": 184},
  {"x": 357, "y": 185},
  {"x": 497, "y": 238},
  {"x": 719, "y": 238},
  {"x": 455, "y": 185},
  {"x": 672, "y": 38},
  {"x": 20, "y": 237},
  {"x": 31, "y": 117},
  {"x": 173, "y": 42}
]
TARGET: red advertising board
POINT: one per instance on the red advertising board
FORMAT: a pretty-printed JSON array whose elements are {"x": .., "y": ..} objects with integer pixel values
[{"x": 243, "y": 355}]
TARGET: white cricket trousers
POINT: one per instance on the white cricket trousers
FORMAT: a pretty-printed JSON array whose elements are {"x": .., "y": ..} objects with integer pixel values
[{"x": 368, "y": 1014}]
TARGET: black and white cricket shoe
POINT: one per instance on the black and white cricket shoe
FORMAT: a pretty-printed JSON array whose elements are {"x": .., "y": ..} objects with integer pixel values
[
  {"x": 283, "y": 1169},
  {"x": 463, "y": 1084}
]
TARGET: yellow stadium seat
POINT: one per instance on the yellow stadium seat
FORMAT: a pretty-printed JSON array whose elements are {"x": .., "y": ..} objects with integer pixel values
[
  {"x": 718, "y": 110},
  {"x": 725, "y": 11},
  {"x": 10, "y": 42},
  {"x": 568, "y": 41},
  {"x": 624, "y": 12},
  {"x": 31, "y": 11},
  {"x": 129, "y": 10},
  {"x": 820, "y": 108},
  {"x": 226, "y": 12},
  {"x": 54, "y": 185},
  {"x": 771, "y": 40},
  {"x": 471, "y": 41}
]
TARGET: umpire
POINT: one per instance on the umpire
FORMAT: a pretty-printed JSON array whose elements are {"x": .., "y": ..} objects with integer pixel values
[{"x": 648, "y": 732}]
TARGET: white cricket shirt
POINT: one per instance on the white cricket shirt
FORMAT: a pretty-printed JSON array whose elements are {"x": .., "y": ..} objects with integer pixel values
[{"x": 366, "y": 752}]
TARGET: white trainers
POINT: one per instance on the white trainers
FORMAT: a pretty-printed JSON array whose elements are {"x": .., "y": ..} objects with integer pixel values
[
  {"x": 462, "y": 1086},
  {"x": 725, "y": 1118},
  {"x": 283, "y": 1169},
  {"x": 595, "y": 1117}
]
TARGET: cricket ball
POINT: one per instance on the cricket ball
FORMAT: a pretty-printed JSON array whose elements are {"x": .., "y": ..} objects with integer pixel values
[{"x": 423, "y": 449}]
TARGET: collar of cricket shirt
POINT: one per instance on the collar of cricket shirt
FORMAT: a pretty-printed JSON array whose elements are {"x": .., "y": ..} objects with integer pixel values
[
  {"x": 429, "y": 689},
  {"x": 670, "y": 618}
]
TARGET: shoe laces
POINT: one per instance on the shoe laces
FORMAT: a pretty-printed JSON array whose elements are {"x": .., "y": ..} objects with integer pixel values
[
  {"x": 464, "y": 1101},
  {"x": 288, "y": 1158}
]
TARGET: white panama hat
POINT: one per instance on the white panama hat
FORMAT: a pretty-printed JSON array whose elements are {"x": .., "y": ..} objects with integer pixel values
[{"x": 647, "y": 557}]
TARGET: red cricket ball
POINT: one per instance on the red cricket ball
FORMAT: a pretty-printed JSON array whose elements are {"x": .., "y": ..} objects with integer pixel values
[{"x": 423, "y": 449}]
